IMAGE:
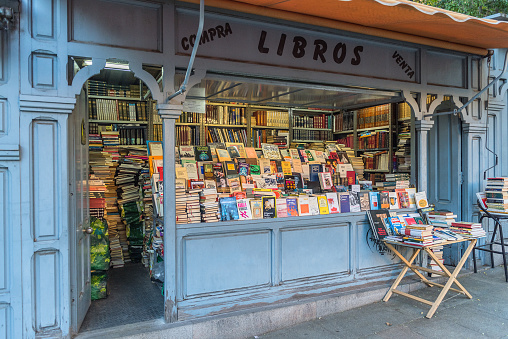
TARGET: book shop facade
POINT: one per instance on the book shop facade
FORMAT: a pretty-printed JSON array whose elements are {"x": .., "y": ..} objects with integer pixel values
[{"x": 226, "y": 267}]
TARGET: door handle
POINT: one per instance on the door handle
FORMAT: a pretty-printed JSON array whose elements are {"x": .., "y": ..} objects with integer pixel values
[{"x": 88, "y": 230}]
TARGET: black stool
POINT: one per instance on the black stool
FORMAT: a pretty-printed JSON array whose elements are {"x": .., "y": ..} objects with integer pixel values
[{"x": 497, "y": 227}]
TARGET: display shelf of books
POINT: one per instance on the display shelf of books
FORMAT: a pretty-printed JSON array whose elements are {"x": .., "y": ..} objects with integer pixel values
[{"x": 402, "y": 163}]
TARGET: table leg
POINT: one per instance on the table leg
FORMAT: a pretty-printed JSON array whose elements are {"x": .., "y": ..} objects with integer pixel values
[
  {"x": 403, "y": 272},
  {"x": 409, "y": 264},
  {"x": 452, "y": 279}
]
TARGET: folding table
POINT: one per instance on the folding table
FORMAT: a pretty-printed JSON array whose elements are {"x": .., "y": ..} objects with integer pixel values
[{"x": 408, "y": 265}]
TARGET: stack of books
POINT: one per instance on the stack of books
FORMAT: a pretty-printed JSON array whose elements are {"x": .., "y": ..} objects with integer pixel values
[
  {"x": 193, "y": 208},
  {"x": 417, "y": 234},
  {"x": 438, "y": 252},
  {"x": 468, "y": 229},
  {"x": 496, "y": 193},
  {"x": 441, "y": 218},
  {"x": 181, "y": 205},
  {"x": 209, "y": 205},
  {"x": 94, "y": 142}
]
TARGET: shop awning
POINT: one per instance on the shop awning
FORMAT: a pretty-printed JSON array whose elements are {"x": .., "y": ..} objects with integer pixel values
[{"x": 394, "y": 19}]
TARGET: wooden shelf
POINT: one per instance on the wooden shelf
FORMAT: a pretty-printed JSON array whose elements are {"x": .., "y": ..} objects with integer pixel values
[
  {"x": 271, "y": 127},
  {"x": 312, "y": 129},
  {"x": 404, "y": 119},
  {"x": 372, "y": 128},
  {"x": 373, "y": 149},
  {"x": 226, "y": 126},
  {"x": 160, "y": 123},
  {"x": 183, "y": 123},
  {"x": 345, "y": 132},
  {"x": 118, "y": 122},
  {"x": 113, "y": 98},
  {"x": 376, "y": 170},
  {"x": 296, "y": 140}
]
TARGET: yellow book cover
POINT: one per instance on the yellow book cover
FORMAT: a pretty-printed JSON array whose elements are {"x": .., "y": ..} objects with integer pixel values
[
  {"x": 323, "y": 204},
  {"x": 286, "y": 167}
]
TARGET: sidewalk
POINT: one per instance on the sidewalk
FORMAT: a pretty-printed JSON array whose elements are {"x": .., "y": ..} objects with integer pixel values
[{"x": 486, "y": 315}]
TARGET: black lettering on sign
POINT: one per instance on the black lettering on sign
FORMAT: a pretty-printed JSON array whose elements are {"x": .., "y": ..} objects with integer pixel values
[
  {"x": 399, "y": 60},
  {"x": 339, "y": 53},
  {"x": 207, "y": 36}
]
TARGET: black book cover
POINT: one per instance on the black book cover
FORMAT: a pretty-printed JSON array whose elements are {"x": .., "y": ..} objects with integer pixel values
[
  {"x": 203, "y": 153},
  {"x": 377, "y": 222},
  {"x": 268, "y": 207}
]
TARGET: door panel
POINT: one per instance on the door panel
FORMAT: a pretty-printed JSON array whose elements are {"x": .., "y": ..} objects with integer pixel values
[
  {"x": 445, "y": 171},
  {"x": 81, "y": 288}
]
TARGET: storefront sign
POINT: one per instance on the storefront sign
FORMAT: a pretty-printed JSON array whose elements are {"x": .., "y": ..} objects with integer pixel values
[{"x": 242, "y": 40}]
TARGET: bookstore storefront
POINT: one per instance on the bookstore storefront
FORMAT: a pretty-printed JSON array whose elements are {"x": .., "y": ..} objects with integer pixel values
[{"x": 337, "y": 95}]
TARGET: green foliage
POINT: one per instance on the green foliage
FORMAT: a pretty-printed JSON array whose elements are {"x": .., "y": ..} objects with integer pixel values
[{"x": 477, "y": 8}]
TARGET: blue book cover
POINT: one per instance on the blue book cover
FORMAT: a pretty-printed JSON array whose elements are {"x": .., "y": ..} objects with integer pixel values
[
  {"x": 344, "y": 203},
  {"x": 228, "y": 209},
  {"x": 292, "y": 204},
  {"x": 374, "y": 200},
  {"x": 314, "y": 170}
]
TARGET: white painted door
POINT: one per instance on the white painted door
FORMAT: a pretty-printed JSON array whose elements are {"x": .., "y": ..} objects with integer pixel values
[
  {"x": 80, "y": 241},
  {"x": 445, "y": 171}
]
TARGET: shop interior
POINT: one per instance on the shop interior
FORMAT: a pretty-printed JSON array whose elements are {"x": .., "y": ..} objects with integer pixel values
[{"x": 372, "y": 127}]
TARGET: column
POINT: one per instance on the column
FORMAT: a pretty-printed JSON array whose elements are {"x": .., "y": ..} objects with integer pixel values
[
  {"x": 169, "y": 113},
  {"x": 422, "y": 128}
]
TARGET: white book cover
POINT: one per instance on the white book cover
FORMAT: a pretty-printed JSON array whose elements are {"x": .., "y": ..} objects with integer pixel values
[
  {"x": 313, "y": 206},
  {"x": 244, "y": 211},
  {"x": 281, "y": 207},
  {"x": 303, "y": 205},
  {"x": 333, "y": 202},
  {"x": 411, "y": 194},
  {"x": 192, "y": 171},
  {"x": 421, "y": 199},
  {"x": 394, "y": 200}
]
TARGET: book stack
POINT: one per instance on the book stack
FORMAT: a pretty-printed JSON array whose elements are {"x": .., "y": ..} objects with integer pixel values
[
  {"x": 209, "y": 205},
  {"x": 496, "y": 193},
  {"x": 97, "y": 193},
  {"x": 417, "y": 234},
  {"x": 438, "y": 252},
  {"x": 468, "y": 229},
  {"x": 180, "y": 205},
  {"x": 94, "y": 142},
  {"x": 193, "y": 208},
  {"x": 111, "y": 141},
  {"x": 441, "y": 218},
  {"x": 403, "y": 152}
]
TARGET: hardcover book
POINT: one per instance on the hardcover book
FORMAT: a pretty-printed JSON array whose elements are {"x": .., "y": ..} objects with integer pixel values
[
  {"x": 228, "y": 209},
  {"x": 323, "y": 204},
  {"x": 384, "y": 200},
  {"x": 244, "y": 211},
  {"x": 313, "y": 205},
  {"x": 325, "y": 180},
  {"x": 256, "y": 206},
  {"x": 233, "y": 152},
  {"x": 292, "y": 206},
  {"x": 281, "y": 206},
  {"x": 364, "y": 201},
  {"x": 230, "y": 169},
  {"x": 240, "y": 148},
  {"x": 314, "y": 172},
  {"x": 333, "y": 203},
  {"x": 203, "y": 153},
  {"x": 269, "y": 210},
  {"x": 344, "y": 202},
  {"x": 223, "y": 155},
  {"x": 351, "y": 177},
  {"x": 354, "y": 202},
  {"x": 377, "y": 223},
  {"x": 374, "y": 200},
  {"x": 403, "y": 198}
]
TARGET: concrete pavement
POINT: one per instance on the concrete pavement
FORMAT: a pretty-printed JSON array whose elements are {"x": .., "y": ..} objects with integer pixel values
[{"x": 486, "y": 315}]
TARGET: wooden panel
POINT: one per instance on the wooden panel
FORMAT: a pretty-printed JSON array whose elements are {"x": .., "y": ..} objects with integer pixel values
[
  {"x": 4, "y": 239},
  {"x": 46, "y": 190},
  {"x": 5, "y": 326},
  {"x": 221, "y": 262},
  {"x": 129, "y": 24},
  {"x": 44, "y": 71},
  {"x": 441, "y": 64},
  {"x": 43, "y": 19},
  {"x": 3, "y": 116},
  {"x": 46, "y": 290},
  {"x": 443, "y": 158},
  {"x": 314, "y": 251}
]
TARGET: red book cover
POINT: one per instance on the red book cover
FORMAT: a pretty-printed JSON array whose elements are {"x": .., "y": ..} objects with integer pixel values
[{"x": 351, "y": 177}]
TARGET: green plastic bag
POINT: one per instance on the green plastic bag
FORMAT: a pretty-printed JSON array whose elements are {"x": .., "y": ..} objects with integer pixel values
[
  {"x": 99, "y": 285},
  {"x": 99, "y": 245}
]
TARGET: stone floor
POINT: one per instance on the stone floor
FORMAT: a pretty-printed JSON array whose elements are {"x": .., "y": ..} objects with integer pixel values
[{"x": 486, "y": 315}]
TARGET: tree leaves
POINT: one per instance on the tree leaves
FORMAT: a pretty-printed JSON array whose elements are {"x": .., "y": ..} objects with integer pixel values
[{"x": 477, "y": 8}]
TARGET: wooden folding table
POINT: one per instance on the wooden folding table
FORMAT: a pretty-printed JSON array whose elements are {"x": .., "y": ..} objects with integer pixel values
[{"x": 452, "y": 276}]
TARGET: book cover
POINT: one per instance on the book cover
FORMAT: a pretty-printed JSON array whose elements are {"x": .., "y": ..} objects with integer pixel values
[
  {"x": 181, "y": 173},
  {"x": 309, "y": 155},
  {"x": 286, "y": 167},
  {"x": 374, "y": 200},
  {"x": 403, "y": 198},
  {"x": 384, "y": 200},
  {"x": 354, "y": 202},
  {"x": 230, "y": 169},
  {"x": 325, "y": 180},
  {"x": 255, "y": 170},
  {"x": 344, "y": 202},
  {"x": 240, "y": 148},
  {"x": 292, "y": 207},
  {"x": 223, "y": 155},
  {"x": 269, "y": 210},
  {"x": 320, "y": 156},
  {"x": 228, "y": 209},
  {"x": 281, "y": 206},
  {"x": 421, "y": 200},
  {"x": 234, "y": 184},
  {"x": 203, "y": 153},
  {"x": 303, "y": 156},
  {"x": 192, "y": 170},
  {"x": 411, "y": 194},
  {"x": 303, "y": 205},
  {"x": 208, "y": 171},
  {"x": 313, "y": 205},
  {"x": 305, "y": 171},
  {"x": 270, "y": 151},
  {"x": 323, "y": 204},
  {"x": 364, "y": 201},
  {"x": 220, "y": 178},
  {"x": 244, "y": 211},
  {"x": 233, "y": 152},
  {"x": 273, "y": 167},
  {"x": 210, "y": 184},
  {"x": 314, "y": 170},
  {"x": 294, "y": 154},
  {"x": 351, "y": 177},
  {"x": 243, "y": 169},
  {"x": 296, "y": 165},
  {"x": 333, "y": 202},
  {"x": 251, "y": 153},
  {"x": 393, "y": 200},
  {"x": 264, "y": 165},
  {"x": 187, "y": 152},
  {"x": 377, "y": 222},
  {"x": 256, "y": 206}
]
